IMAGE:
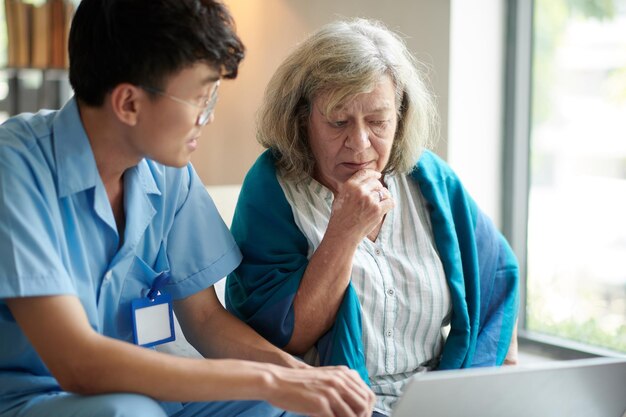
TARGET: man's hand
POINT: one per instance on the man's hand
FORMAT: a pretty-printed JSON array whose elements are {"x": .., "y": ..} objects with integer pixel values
[
  {"x": 321, "y": 392},
  {"x": 60, "y": 332}
]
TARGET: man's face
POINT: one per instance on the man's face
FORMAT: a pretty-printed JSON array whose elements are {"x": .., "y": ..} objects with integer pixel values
[{"x": 170, "y": 124}]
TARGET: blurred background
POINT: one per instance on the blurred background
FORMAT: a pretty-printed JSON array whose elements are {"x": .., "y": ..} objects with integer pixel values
[{"x": 532, "y": 100}]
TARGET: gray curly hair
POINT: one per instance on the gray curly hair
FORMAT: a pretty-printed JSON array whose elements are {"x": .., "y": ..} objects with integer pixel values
[{"x": 341, "y": 60}]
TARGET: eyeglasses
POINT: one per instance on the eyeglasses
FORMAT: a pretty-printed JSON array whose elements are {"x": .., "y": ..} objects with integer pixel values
[{"x": 207, "y": 107}]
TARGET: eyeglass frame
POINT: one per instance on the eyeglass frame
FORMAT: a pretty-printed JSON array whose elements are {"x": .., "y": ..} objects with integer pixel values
[{"x": 207, "y": 107}]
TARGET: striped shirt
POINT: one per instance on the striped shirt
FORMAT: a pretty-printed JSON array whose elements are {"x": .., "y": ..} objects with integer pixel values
[{"x": 399, "y": 280}]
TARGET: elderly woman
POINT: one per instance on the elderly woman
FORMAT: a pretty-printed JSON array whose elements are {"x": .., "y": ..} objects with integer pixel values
[{"x": 357, "y": 241}]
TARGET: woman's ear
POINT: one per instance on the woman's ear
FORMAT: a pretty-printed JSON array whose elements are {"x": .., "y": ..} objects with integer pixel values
[{"x": 126, "y": 101}]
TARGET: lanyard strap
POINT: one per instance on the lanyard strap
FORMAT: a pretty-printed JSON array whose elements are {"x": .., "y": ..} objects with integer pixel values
[{"x": 159, "y": 282}]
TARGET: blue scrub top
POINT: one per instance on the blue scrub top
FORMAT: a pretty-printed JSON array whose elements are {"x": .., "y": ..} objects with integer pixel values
[{"x": 58, "y": 236}]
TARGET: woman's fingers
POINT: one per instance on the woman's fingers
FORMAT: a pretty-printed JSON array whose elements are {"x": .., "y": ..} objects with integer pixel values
[{"x": 360, "y": 205}]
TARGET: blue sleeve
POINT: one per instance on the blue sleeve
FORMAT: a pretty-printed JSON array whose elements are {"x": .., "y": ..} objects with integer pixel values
[
  {"x": 200, "y": 248},
  {"x": 261, "y": 290},
  {"x": 32, "y": 263}
]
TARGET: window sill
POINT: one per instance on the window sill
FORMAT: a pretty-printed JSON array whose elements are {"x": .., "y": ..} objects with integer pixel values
[{"x": 538, "y": 347}]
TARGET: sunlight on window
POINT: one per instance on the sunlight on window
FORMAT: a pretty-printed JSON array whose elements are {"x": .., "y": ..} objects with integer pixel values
[{"x": 577, "y": 201}]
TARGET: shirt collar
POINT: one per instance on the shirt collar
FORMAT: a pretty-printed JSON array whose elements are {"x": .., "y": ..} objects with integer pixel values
[
  {"x": 76, "y": 164},
  {"x": 316, "y": 188},
  {"x": 142, "y": 175}
]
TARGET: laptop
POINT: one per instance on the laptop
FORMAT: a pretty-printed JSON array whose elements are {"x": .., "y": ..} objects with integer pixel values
[{"x": 577, "y": 388}]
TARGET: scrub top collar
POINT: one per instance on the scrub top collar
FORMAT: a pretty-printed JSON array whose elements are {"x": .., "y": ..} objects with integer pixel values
[
  {"x": 75, "y": 162},
  {"x": 76, "y": 165}
]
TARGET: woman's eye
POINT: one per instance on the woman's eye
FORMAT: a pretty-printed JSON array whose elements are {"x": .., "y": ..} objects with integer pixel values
[
  {"x": 378, "y": 123},
  {"x": 338, "y": 123}
]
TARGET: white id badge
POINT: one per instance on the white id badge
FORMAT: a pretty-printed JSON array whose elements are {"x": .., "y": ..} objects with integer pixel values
[{"x": 153, "y": 320}]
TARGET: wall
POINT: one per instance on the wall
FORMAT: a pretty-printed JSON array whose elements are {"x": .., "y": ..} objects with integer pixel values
[
  {"x": 476, "y": 98},
  {"x": 270, "y": 29},
  {"x": 461, "y": 41}
]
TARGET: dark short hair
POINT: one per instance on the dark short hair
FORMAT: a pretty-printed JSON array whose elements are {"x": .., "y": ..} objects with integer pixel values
[{"x": 142, "y": 42}]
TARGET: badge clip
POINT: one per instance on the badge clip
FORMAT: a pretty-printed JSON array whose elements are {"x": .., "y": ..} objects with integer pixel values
[{"x": 153, "y": 317}]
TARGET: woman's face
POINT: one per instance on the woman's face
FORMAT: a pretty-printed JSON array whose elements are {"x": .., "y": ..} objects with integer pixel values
[{"x": 355, "y": 136}]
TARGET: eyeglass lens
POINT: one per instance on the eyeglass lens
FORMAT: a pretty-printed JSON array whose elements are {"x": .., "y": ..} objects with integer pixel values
[{"x": 203, "y": 117}]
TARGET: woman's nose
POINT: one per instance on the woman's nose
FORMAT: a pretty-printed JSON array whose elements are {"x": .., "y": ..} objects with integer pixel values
[{"x": 358, "y": 138}]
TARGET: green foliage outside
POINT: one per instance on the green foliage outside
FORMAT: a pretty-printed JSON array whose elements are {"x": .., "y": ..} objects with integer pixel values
[
  {"x": 616, "y": 85},
  {"x": 551, "y": 18},
  {"x": 588, "y": 332},
  {"x": 592, "y": 331},
  {"x": 550, "y": 22}
]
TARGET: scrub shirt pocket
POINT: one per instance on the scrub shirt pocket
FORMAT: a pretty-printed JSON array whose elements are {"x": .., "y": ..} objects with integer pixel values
[{"x": 137, "y": 283}]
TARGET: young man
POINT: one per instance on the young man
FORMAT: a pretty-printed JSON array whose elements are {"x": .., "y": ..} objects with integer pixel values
[{"x": 102, "y": 218}]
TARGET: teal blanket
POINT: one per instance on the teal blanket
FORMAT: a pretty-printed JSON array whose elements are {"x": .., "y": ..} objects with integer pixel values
[{"x": 480, "y": 267}]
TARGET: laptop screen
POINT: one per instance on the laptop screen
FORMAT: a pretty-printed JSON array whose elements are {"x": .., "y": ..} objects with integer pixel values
[{"x": 575, "y": 388}]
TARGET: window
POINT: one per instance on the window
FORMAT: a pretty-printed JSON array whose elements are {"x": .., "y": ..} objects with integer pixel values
[{"x": 576, "y": 235}]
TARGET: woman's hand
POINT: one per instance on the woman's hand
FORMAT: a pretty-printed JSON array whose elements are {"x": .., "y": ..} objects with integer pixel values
[
  {"x": 512, "y": 354},
  {"x": 359, "y": 206}
]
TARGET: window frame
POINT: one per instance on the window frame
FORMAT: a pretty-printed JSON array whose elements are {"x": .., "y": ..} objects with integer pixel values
[{"x": 516, "y": 176}]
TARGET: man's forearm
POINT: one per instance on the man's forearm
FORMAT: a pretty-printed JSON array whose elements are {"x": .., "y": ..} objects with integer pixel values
[
  {"x": 216, "y": 333},
  {"x": 86, "y": 362}
]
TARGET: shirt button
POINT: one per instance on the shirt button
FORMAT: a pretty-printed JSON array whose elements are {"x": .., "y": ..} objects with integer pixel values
[
  {"x": 390, "y": 291},
  {"x": 377, "y": 252},
  {"x": 108, "y": 275},
  {"x": 389, "y": 333}
]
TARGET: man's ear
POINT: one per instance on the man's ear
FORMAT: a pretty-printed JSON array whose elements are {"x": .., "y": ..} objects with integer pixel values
[{"x": 126, "y": 101}]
